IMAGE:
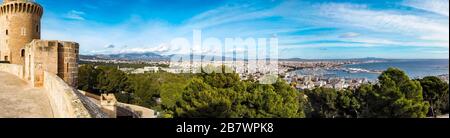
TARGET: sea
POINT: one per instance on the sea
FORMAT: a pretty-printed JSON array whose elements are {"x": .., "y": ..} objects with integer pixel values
[{"x": 415, "y": 68}]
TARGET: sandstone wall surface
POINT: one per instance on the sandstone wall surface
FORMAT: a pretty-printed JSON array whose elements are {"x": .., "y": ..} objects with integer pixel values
[
  {"x": 68, "y": 102},
  {"x": 20, "y": 23},
  {"x": 16, "y": 70}
]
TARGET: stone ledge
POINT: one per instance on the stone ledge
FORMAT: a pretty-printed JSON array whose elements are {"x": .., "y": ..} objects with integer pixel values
[
  {"x": 14, "y": 69},
  {"x": 135, "y": 110},
  {"x": 67, "y": 102},
  {"x": 142, "y": 112}
]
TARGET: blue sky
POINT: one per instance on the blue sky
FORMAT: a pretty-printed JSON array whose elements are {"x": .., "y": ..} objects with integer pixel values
[{"x": 305, "y": 28}]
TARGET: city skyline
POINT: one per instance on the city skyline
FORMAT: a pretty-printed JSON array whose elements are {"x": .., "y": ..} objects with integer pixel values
[{"x": 305, "y": 29}]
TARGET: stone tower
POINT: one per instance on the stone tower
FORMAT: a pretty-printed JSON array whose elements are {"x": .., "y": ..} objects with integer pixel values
[
  {"x": 20, "y": 23},
  {"x": 21, "y": 44}
]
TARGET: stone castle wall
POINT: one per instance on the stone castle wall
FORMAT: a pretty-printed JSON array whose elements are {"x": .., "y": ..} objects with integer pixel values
[
  {"x": 120, "y": 109},
  {"x": 40, "y": 56},
  {"x": 142, "y": 112},
  {"x": 12, "y": 69},
  {"x": 68, "y": 62},
  {"x": 67, "y": 102},
  {"x": 57, "y": 57},
  {"x": 20, "y": 23}
]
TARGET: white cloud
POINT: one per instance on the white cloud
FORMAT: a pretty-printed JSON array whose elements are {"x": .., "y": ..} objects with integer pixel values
[
  {"x": 387, "y": 21},
  {"x": 381, "y": 27},
  {"x": 94, "y": 37},
  {"x": 75, "y": 15},
  {"x": 163, "y": 48},
  {"x": 228, "y": 14},
  {"x": 386, "y": 27},
  {"x": 438, "y": 52},
  {"x": 436, "y": 6},
  {"x": 350, "y": 35}
]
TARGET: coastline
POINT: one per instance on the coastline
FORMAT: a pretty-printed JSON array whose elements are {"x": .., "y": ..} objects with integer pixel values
[{"x": 416, "y": 68}]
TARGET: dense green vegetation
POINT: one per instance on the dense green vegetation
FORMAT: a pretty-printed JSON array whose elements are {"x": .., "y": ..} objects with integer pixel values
[
  {"x": 395, "y": 96},
  {"x": 221, "y": 95},
  {"x": 435, "y": 91},
  {"x": 329, "y": 103},
  {"x": 102, "y": 79},
  {"x": 225, "y": 96}
]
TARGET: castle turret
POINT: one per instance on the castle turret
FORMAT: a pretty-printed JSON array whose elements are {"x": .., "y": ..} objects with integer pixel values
[{"x": 20, "y": 23}]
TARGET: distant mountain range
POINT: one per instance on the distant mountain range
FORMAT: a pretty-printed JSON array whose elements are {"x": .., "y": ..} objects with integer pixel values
[
  {"x": 126, "y": 56},
  {"x": 149, "y": 56}
]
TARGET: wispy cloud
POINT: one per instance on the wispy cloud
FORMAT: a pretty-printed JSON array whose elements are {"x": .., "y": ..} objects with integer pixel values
[
  {"x": 436, "y": 6},
  {"x": 438, "y": 52},
  {"x": 75, "y": 15},
  {"x": 350, "y": 35},
  {"x": 387, "y": 21},
  {"x": 229, "y": 14},
  {"x": 298, "y": 24}
]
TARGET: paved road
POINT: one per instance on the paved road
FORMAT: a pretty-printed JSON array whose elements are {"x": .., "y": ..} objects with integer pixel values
[{"x": 20, "y": 100}]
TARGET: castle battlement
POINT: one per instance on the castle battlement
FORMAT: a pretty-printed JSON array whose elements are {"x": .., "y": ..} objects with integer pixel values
[{"x": 21, "y": 7}]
